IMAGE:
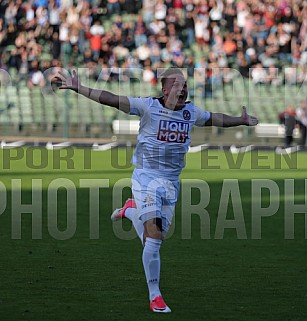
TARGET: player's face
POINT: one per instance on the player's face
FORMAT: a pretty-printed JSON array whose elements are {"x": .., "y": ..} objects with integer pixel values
[{"x": 175, "y": 92}]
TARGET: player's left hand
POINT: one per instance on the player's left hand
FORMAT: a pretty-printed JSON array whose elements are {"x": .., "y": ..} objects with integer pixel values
[{"x": 247, "y": 119}]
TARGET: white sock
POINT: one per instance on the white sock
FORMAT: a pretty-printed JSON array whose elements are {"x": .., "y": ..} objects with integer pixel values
[
  {"x": 151, "y": 263},
  {"x": 131, "y": 214}
]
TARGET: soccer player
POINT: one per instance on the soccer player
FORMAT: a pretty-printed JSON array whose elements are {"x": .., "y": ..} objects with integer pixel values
[{"x": 163, "y": 140}]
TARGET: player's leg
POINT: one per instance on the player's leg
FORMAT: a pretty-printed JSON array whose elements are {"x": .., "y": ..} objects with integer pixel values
[
  {"x": 125, "y": 212},
  {"x": 154, "y": 232},
  {"x": 156, "y": 225},
  {"x": 152, "y": 263},
  {"x": 148, "y": 192},
  {"x": 150, "y": 233},
  {"x": 132, "y": 215},
  {"x": 129, "y": 211}
]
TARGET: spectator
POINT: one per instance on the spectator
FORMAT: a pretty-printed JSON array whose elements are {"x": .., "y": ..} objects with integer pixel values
[
  {"x": 296, "y": 51},
  {"x": 216, "y": 12},
  {"x": 66, "y": 48},
  {"x": 189, "y": 63},
  {"x": 284, "y": 41},
  {"x": 143, "y": 53},
  {"x": 160, "y": 10},
  {"x": 229, "y": 46},
  {"x": 21, "y": 40},
  {"x": 140, "y": 32},
  {"x": 36, "y": 77},
  {"x": 301, "y": 116},
  {"x": 128, "y": 36},
  {"x": 54, "y": 15},
  {"x": 242, "y": 13},
  {"x": 148, "y": 74},
  {"x": 267, "y": 58},
  {"x": 155, "y": 50},
  {"x": 202, "y": 9},
  {"x": 30, "y": 23},
  {"x": 40, "y": 3},
  {"x": 272, "y": 33},
  {"x": 269, "y": 16},
  {"x": 287, "y": 118},
  {"x": 156, "y": 26},
  {"x": 11, "y": 33},
  {"x": 260, "y": 30},
  {"x": 162, "y": 39},
  {"x": 259, "y": 75},
  {"x": 291, "y": 75},
  {"x": 242, "y": 64},
  {"x": 202, "y": 34},
  {"x": 11, "y": 12},
  {"x": 14, "y": 60},
  {"x": 252, "y": 58},
  {"x": 96, "y": 31},
  {"x": 55, "y": 46},
  {"x": 148, "y": 11},
  {"x": 85, "y": 22},
  {"x": 23, "y": 70},
  {"x": 3, "y": 34},
  {"x": 121, "y": 53},
  {"x": 41, "y": 16},
  {"x": 113, "y": 7},
  {"x": 229, "y": 16},
  {"x": 189, "y": 28},
  {"x": 273, "y": 77},
  {"x": 260, "y": 46}
]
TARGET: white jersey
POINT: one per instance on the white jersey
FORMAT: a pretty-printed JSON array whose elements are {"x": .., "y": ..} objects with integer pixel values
[{"x": 164, "y": 135}]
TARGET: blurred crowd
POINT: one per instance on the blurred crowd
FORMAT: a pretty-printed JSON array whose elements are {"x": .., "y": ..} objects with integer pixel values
[
  {"x": 293, "y": 118},
  {"x": 255, "y": 38}
]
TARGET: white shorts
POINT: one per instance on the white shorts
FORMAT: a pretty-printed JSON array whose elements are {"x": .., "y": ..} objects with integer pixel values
[{"x": 155, "y": 197}]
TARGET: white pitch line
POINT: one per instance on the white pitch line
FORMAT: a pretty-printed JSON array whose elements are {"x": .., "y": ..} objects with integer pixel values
[
  {"x": 288, "y": 150},
  {"x": 234, "y": 150},
  {"x": 12, "y": 145},
  {"x": 198, "y": 148},
  {"x": 51, "y": 146},
  {"x": 104, "y": 147}
]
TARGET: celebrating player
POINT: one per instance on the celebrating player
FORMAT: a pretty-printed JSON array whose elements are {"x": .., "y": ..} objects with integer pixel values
[{"x": 163, "y": 140}]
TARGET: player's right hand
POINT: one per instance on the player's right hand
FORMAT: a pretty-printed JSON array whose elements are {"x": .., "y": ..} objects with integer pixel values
[{"x": 68, "y": 80}]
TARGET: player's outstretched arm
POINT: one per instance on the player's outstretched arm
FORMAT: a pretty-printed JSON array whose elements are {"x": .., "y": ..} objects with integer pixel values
[
  {"x": 72, "y": 82},
  {"x": 223, "y": 120}
]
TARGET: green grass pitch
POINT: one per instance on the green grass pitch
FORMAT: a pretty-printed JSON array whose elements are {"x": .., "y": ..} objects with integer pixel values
[{"x": 228, "y": 274}]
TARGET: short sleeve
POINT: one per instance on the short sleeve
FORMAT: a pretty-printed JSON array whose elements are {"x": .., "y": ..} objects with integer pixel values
[
  {"x": 201, "y": 117},
  {"x": 138, "y": 105}
]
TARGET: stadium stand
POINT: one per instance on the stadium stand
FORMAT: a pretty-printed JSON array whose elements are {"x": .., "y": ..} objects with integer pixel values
[{"x": 235, "y": 53}]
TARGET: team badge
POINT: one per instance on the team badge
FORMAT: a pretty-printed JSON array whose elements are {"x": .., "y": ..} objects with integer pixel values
[{"x": 186, "y": 115}]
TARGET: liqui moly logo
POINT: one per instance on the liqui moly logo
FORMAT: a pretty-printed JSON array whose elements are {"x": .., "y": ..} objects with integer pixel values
[{"x": 173, "y": 131}]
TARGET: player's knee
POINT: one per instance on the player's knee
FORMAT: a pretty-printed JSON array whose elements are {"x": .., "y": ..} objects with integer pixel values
[
  {"x": 153, "y": 228},
  {"x": 158, "y": 222}
]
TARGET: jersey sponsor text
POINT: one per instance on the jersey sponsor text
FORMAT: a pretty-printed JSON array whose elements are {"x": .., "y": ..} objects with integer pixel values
[{"x": 173, "y": 131}]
